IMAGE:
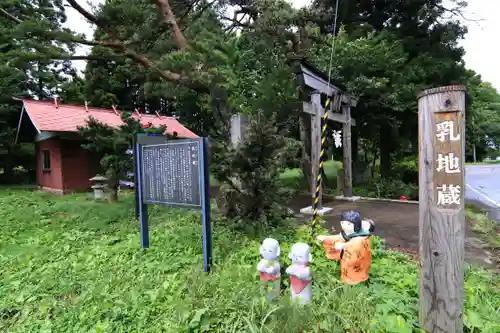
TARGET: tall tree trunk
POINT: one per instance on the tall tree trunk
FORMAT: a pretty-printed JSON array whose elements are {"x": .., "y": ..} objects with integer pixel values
[
  {"x": 354, "y": 153},
  {"x": 386, "y": 147},
  {"x": 113, "y": 191},
  {"x": 305, "y": 138},
  {"x": 8, "y": 174},
  {"x": 41, "y": 95},
  {"x": 374, "y": 162}
]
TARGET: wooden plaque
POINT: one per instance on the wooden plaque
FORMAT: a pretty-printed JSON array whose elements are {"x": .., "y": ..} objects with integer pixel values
[{"x": 448, "y": 161}]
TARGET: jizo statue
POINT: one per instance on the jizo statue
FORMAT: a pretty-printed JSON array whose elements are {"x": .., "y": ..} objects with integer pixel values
[
  {"x": 352, "y": 247},
  {"x": 300, "y": 273},
  {"x": 269, "y": 267}
]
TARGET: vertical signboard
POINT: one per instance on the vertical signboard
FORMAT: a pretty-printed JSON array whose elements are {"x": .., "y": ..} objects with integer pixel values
[{"x": 174, "y": 173}]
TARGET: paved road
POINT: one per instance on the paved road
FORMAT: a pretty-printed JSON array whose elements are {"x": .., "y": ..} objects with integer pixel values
[{"x": 483, "y": 187}]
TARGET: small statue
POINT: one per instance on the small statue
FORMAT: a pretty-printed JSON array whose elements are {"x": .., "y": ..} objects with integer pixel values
[
  {"x": 269, "y": 267},
  {"x": 368, "y": 226},
  {"x": 329, "y": 241},
  {"x": 300, "y": 273},
  {"x": 352, "y": 247}
]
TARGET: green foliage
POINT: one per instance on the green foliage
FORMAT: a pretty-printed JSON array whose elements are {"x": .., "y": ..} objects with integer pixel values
[
  {"x": 294, "y": 178},
  {"x": 488, "y": 228},
  {"x": 72, "y": 264},
  {"x": 249, "y": 174},
  {"x": 385, "y": 58},
  {"x": 386, "y": 53},
  {"x": 112, "y": 144},
  {"x": 483, "y": 118},
  {"x": 387, "y": 189},
  {"x": 406, "y": 169},
  {"x": 403, "y": 182},
  {"x": 26, "y": 70}
]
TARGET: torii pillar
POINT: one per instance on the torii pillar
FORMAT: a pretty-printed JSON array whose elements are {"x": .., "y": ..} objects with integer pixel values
[{"x": 315, "y": 84}]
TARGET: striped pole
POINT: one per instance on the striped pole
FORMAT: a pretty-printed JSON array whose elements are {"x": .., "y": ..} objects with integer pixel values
[{"x": 324, "y": 124}]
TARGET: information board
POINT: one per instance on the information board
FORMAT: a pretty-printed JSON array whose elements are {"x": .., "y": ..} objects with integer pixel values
[{"x": 171, "y": 173}]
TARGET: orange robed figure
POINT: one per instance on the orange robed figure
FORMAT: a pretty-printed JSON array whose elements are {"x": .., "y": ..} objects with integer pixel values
[{"x": 352, "y": 247}]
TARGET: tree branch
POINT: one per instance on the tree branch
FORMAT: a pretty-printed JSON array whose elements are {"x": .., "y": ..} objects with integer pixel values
[
  {"x": 91, "y": 42},
  {"x": 10, "y": 16},
  {"x": 89, "y": 16},
  {"x": 169, "y": 19},
  {"x": 457, "y": 11},
  {"x": 199, "y": 12},
  {"x": 188, "y": 10},
  {"x": 35, "y": 57},
  {"x": 121, "y": 47}
]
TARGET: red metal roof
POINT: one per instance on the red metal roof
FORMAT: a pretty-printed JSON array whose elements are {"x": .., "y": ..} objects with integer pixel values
[{"x": 66, "y": 118}]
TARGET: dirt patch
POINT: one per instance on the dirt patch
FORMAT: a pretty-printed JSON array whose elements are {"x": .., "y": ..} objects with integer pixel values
[{"x": 396, "y": 222}]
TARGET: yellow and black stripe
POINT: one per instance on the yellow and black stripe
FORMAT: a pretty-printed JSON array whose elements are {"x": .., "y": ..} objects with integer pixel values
[{"x": 324, "y": 124}]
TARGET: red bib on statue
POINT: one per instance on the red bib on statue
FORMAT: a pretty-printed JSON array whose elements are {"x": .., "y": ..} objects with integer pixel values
[
  {"x": 297, "y": 284},
  {"x": 267, "y": 277}
]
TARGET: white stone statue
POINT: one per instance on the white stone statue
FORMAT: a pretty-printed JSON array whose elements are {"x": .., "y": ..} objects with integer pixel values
[
  {"x": 368, "y": 226},
  {"x": 269, "y": 267},
  {"x": 300, "y": 273}
]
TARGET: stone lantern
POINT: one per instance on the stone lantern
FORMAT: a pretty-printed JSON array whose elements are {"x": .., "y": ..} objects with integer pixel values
[{"x": 99, "y": 185}]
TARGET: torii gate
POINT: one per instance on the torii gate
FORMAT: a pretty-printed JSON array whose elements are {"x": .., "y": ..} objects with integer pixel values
[{"x": 314, "y": 85}]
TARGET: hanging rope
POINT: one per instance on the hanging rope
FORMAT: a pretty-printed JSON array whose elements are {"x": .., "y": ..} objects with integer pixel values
[{"x": 324, "y": 125}]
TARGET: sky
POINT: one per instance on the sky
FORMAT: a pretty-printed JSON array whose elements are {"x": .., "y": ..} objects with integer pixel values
[{"x": 481, "y": 18}]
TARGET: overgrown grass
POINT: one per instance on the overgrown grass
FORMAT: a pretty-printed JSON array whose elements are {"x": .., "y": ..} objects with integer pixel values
[
  {"x": 387, "y": 189},
  {"x": 488, "y": 229},
  {"x": 74, "y": 265},
  {"x": 294, "y": 178}
]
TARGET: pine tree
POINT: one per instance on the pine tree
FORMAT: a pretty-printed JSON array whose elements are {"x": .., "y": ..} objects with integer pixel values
[
  {"x": 113, "y": 143},
  {"x": 27, "y": 68},
  {"x": 251, "y": 193}
]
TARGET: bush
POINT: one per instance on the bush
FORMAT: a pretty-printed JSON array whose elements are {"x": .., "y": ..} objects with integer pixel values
[
  {"x": 406, "y": 170},
  {"x": 21, "y": 175},
  {"x": 388, "y": 189},
  {"x": 251, "y": 195},
  {"x": 294, "y": 178}
]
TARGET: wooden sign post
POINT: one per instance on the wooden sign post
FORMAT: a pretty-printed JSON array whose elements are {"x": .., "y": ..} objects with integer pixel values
[{"x": 441, "y": 114}]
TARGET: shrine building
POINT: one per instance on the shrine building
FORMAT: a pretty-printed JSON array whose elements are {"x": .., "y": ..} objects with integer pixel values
[{"x": 62, "y": 165}]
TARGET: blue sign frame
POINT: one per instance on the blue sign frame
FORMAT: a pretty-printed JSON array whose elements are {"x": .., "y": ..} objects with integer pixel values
[{"x": 142, "y": 207}]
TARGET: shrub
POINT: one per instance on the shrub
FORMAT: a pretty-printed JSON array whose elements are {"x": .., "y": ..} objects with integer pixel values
[
  {"x": 406, "y": 170},
  {"x": 388, "y": 189},
  {"x": 251, "y": 194},
  {"x": 113, "y": 143},
  {"x": 21, "y": 175}
]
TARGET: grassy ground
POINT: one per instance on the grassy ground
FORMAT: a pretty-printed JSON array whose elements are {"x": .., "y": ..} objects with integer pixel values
[
  {"x": 73, "y": 265},
  {"x": 488, "y": 229},
  {"x": 293, "y": 178}
]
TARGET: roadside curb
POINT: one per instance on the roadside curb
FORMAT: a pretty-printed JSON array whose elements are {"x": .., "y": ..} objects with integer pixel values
[
  {"x": 390, "y": 200},
  {"x": 358, "y": 198}
]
